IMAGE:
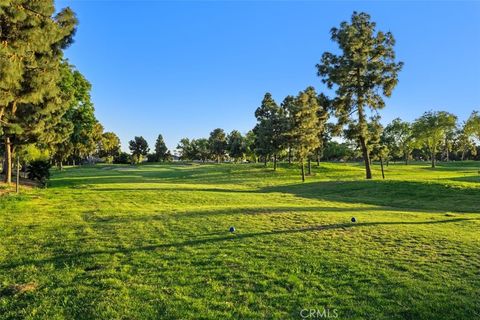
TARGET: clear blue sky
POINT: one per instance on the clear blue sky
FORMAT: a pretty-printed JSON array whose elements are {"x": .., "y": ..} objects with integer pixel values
[{"x": 184, "y": 68}]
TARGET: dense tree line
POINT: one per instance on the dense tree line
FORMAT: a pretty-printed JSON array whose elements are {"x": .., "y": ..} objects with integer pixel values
[
  {"x": 45, "y": 107},
  {"x": 362, "y": 75}
]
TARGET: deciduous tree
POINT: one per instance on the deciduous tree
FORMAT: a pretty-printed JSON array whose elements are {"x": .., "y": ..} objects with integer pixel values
[
  {"x": 400, "y": 138},
  {"x": 109, "y": 146},
  {"x": 430, "y": 130}
]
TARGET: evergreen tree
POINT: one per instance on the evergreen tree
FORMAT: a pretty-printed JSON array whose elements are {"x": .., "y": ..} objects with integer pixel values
[
  {"x": 322, "y": 115},
  {"x": 377, "y": 145},
  {"x": 270, "y": 128},
  {"x": 184, "y": 148},
  {"x": 139, "y": 149},
  {"x": 202, "y": 149},
  {"x": 288, "y": 105},
  {"x": 160, "y": 149},
  {"x": 218, "y": 144},
  {"x": 469, "y": 130},
  {"x": 304, "y": 125},
  {"x": 364, "y": 73},
  {"x": 32, "y": 43},
  {"x": 250, "y": 139},
  {"x": 236, "y": 145}
]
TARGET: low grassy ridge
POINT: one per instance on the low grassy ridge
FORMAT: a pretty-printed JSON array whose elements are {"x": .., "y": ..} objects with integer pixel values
[{"x": 152, "y": 242}]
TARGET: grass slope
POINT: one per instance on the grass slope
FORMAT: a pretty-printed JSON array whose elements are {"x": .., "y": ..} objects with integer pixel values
[{"x": 152, "y": 242}]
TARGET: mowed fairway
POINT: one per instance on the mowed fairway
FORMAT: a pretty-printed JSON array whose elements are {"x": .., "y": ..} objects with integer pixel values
[{"x": 152, "y": 242}]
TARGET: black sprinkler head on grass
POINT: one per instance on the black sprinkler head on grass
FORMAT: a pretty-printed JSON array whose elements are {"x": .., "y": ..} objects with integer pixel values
[
  {"x": 232, "y": 229},
  {"x": 353, "y": 219}
]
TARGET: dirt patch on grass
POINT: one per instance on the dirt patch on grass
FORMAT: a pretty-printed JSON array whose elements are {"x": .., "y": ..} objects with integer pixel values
[
  {"x": 15, "y": 289},
  {"x": 24, "y": 183}
]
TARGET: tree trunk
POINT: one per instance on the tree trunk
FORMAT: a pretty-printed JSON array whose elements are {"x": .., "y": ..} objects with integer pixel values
[
  {"x": 406, "y": 158},
  {"x": 381, "y": 165},
  {"x": 265, "y": 161},
  {"x": 463, "y": 154},
  {"x": 218, "y": 159},
  {"x": 274, "y": 162},
  {"x": 303, "y": 171},
  {"x": 433, "y": 159},
  {"x": 18, "y": 175},
  {"x": 289, "y": 155},
  {"x": 447, "y": 153},
  {"x": 8, "y": 158},
  {"x": 366, "y": 158},
  {"x": 309, "y": 167}
]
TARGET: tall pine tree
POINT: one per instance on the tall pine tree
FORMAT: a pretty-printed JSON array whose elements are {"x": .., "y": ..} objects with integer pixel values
[
  {"x": 304, "y": 126},
  {"x": 32, "y": 41},
  {"x": 160, "y": 149},
  {"x": 363, "y": 73}
]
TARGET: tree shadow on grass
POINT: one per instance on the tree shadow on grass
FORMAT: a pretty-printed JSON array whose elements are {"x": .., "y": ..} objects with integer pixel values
[
  {"x": 92, "y": 217},
  {"x": 63, "y": 260},
  {"x": 390, "y": 193},
  {"x": 467, "y": 179},
  {"x": 205, "y": 173}
]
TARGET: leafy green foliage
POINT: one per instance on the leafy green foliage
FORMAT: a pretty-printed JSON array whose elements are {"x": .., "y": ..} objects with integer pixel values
[
  {"x": 122, "y": 158},
  {"x": 399, "y": 136},
  {"x": 337, "y": 151},
  {"x": 432, "y": 128},
  {"x": 109, "y": 146}
]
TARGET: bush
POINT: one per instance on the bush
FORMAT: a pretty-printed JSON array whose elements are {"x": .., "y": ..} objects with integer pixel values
[
  {"x": 39, "y": 170},
  {"x": 122, "y": 158},
  {"x": 152, "y": 157},
  {"x": 109, "y": 159}
]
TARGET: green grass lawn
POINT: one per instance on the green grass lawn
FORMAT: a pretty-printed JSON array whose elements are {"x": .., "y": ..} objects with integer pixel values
[{"x": 152, "y": 242}]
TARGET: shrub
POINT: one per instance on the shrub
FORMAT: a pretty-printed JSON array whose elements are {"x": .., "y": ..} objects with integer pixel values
[
  {"x": 152, "y": 157},
  {"x": 122, "y": 158},
  {"x": 109, "y": 159},
  {"x": 39, "y": 170}
]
